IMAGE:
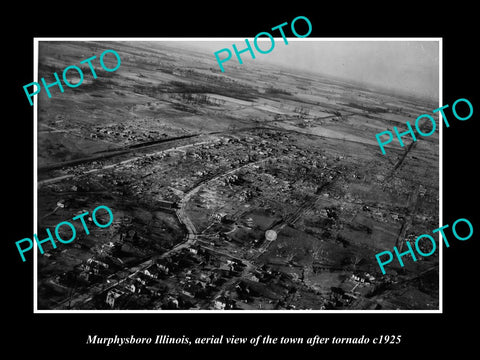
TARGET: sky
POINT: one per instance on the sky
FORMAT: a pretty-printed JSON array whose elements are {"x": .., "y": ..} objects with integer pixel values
[{"x": 409, "y": 67}]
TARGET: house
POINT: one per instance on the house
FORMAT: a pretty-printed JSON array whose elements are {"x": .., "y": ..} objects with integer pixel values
[
  {"x": 187, "y": 293},
  {"x": 166, "y": 204},
  {"x": 219, "y": 304},
  {"x": 140, "y": 280},
  {"x": 163, "y": 269},
  {"x": 95, "y": 263},
  {"x": 84, "y": 275},
  {"x": 151, "y": 274},
  {"x": 218, "y": 216},
  {"x": 113, "y": 295},
  {"x": 204, "y": 277},
  {"x": 153, "y": 290},
  {"x": 129, "y": 287},
  {"x": 172, "y": 302}
]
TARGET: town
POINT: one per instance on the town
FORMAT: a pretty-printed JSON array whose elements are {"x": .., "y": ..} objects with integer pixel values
[{"x": 254, "y": 190}]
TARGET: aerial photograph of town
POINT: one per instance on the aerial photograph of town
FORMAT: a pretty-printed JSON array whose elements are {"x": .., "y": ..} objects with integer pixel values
[{"x": 261, "y": 187}]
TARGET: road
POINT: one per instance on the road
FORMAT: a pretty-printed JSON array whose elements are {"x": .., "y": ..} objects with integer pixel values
[
  {"x": 120, "y": 163},
  {"x": 114, "y": 152},
  {"x": 80, "y": 300},
  {"x": 190, "y": 238},
  {"x": 407, "y": 223},
  {"x": 292, "y": 218}
]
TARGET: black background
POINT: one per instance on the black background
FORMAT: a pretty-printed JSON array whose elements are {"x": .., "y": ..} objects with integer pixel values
[{"x": 64, "y": 335}]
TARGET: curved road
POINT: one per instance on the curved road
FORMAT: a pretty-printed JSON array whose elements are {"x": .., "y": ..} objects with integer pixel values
[{"x": 190, "y": 237}]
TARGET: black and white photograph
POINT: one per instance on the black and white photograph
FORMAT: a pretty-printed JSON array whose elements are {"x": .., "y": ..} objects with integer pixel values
[{"x": 260, "y": 187}]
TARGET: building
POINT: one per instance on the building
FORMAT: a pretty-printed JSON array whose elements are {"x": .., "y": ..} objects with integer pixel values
[
  {"x": 112, "y": 296},
  {"x": 219, "y": 304},
  {"x": 166, "y": 204},
  {"x": 151, "y": 273}
]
